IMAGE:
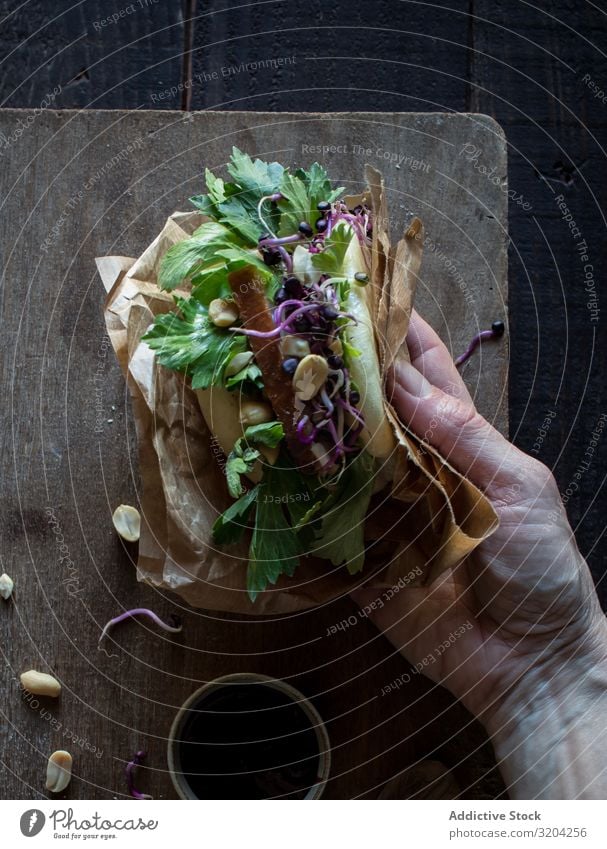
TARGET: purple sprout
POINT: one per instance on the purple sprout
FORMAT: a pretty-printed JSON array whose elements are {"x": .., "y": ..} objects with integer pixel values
[
  {"x": 314, "y": 312},
  {"x": 302, "y": 437},
  {"x": 497, "y": 330},
  {"x": 286, "y": 258},
  {"x": 129, "y": 771},
  {"x": 274, "y": 241},
  {"x": 173, "y": 626}
]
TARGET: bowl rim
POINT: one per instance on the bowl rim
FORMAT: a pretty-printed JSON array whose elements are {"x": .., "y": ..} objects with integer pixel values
[{"x": 180, "y": 784}]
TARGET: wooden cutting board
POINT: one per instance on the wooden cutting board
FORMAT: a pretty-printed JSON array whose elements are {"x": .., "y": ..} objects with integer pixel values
[{"x": 76, "y": 185}]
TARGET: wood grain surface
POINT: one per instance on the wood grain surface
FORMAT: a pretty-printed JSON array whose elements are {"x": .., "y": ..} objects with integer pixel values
[
  {"x": 537, "y": 68},
  {"x": 84, "y": 184}
]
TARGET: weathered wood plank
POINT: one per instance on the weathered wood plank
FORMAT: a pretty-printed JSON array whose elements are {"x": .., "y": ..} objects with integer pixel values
[
  {"x": 289, "y": 56},
  {"x": 80, "y": 185},
  {"x": 92, "y": 54},
  {"x": 537, "y": 70}
]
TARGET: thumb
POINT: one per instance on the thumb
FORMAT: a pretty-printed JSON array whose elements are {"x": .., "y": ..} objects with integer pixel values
[{"x": 455, "y": 428}]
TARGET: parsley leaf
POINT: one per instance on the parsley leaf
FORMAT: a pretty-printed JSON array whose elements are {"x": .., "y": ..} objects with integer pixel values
[
  {"x": 248, "y": 379},
  {"x": 330, "y": 260},
  {"x": 235, "y": 204},
  {"x": 340, "y": 538},
  {"x": 254, "y": 177},
  {"x": 295, "y": 204},
  {"x": 267, "y": 433},
  {"x": 318, "y": 184},
  {"x": 207, "y": 258},
  {"x": 243, "y": 457},
  {"x": 241, "y": 460},
  {"x": 302, "y": 192},
  {"x": 189, "y": 342},
  {"x": 230, "y": 526},
  {"x": 275, "y": 548},
  {"x": 191, "y": 255}
]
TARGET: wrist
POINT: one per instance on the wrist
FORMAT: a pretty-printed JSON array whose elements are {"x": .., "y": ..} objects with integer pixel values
[{"x": 549, "y": 732}]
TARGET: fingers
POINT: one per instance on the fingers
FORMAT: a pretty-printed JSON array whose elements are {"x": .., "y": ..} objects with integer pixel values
[
  {"x": 460, "y": 434},
  {"x": 430, "y": 356}
]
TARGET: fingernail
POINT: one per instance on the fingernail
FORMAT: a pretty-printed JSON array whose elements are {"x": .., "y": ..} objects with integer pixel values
[{"x": 412, "y": 380}]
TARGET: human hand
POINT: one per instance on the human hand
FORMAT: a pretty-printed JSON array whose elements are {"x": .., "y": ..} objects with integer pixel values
[{"x": 536, "y": 625}]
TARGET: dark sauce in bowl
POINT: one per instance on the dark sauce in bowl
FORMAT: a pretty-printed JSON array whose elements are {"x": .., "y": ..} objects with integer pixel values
[{"x": 248, "y": 741}]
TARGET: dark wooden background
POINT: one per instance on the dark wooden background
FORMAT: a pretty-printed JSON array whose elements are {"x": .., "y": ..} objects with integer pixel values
[{"x": 528, "y": 65}]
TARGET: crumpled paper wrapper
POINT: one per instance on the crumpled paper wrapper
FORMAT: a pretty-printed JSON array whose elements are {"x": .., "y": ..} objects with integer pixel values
[{"x": 423, "y": 522}]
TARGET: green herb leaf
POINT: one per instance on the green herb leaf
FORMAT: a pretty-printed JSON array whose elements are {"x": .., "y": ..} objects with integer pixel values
[
  {"x": 330, "y": 260},
  {"x": 188, "y": 342},
  {"x": 349, "y": 351},
  {"x": 268, "y": 433},
  {"x": 302, "y": 192},
  {"x": 318, "y": 184},
  {"x": 211, "y": 282},
  {"x": 243, "y": 457},
  {"x": 240, "y": 462},
  {"x": 247, "y": 379},
  {"x": 230, "y": 526},
  {"x": 275, "y": 548},
  {"x": 235, "y": 204},
  {"x": 254, "y": 177},
  {"x": 192, "y": 255},
  {"x": 237, "y": 257},
  {"x": 216, "y": 187},
  {"x": 295, "y": 205},
  {"x": 340, "y": 538}
]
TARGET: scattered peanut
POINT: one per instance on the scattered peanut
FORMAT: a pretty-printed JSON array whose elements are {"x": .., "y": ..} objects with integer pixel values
[
  {"x": 254, "y": 413},
  {"x": 6, "y": 586},
  {"x": 293, "y": 346},
  {"x": 310, "y": 376},
  {"x": 40, "y": 683},
  {"x": 223, "y": 313},
  {"x": 238, "y": 362},
  {"x": 58, "y": 771},
  {"x": 127, "y": 522}
]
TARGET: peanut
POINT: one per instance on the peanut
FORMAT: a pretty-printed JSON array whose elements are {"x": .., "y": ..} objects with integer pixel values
[
  {"x": 293, "y": 346},
  {"x": 238, "y": 362},
  {"x": 127, "y": 522},
  {"x": 6, "y": 586},
  {"x": 310, "y": 376},
  {"x": 58, "y": 771},
  {"x": 223, "y": 313},
  {"x": 254, "y": 413},
  {"x": 40, "y": 683}
]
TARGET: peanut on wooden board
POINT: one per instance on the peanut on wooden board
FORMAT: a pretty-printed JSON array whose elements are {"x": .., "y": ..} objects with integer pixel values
[
  {"x": 6, "y": 586},
  {"x": 40, "y": 683},
  {"x": 127, "y": 522},
  {"x": 58, "y": 771}
]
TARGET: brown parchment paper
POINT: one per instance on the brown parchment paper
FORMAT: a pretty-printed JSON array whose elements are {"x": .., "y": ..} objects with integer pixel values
[{"x": 425, "y": 520}]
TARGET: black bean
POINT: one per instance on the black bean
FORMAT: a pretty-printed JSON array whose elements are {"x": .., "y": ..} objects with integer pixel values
[{"x": 305, "y": 229}]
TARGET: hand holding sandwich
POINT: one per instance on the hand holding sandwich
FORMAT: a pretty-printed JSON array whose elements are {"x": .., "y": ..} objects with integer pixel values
[{"x": 533, "y": 667}]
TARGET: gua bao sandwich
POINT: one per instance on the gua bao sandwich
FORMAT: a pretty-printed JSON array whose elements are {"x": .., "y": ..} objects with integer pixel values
[{"x": 277, "y": 338}]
